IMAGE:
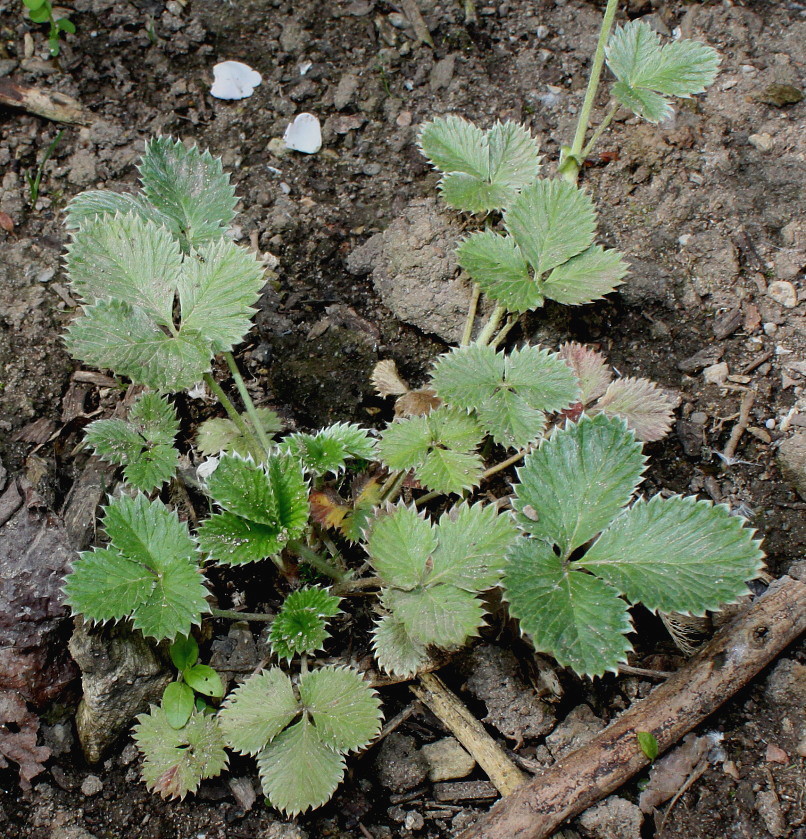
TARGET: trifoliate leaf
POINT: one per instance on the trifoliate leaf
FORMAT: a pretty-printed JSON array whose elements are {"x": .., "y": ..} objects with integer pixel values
[
  {"x": 585, "y": 278},
  {"x": 257, "y": 711},
  {"x": 300, "y": 627},
  {"x": 177, "y": 760},
  {"x": 155, "y": 418},
  {"x": 440, "y": 447},
  {"x": 648, "y": 71},
  {"x": 498, "y": 266},
  {"x": 298, "y": 771},
  {"x": 677, "y": 555},
  {"x": 93, "y": 203},
  {"x": 204, "y": 679},
  {"x": 590, "y": 368},
  {"x": 473, "y": 542},
  {"x": 344, "y": 708},
  {"x": 575, "y": 617},
  {"x": 128, "y": 259},
  {"x": 483, "y": 170},
  {"x": 442, "y": 615},
  {"x": 190, "y": 188},
  {"x": 551, "y": 221},
  {"x": 152, "y": 468},
  {"x": 218, "y": 287},
  {"x": 329, "y": 449},
  {"x": 184, "y": 652},
  {"x": 396, "y": 651},
  {"x": 577, "y": 481},
  {"x": 646, "y": 409},
  {"x": 218, "y": 435},
  {"x": 117, "y": 336},
  {"x": 235, "y": 540},
  {"x": 399, "y": 545},
  {"x": 114, "y": 440},
  {"x": 177, "y": 703}
]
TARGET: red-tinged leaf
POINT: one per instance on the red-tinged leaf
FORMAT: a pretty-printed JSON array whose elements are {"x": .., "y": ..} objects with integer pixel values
[
  {"x": 327, "y": 507},
  {"x": 590, "y": 368},
  {"x": 646, "y": 408}
]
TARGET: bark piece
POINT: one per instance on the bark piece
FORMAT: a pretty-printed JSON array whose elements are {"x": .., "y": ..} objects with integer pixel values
[{"x": 49, "y": 104}]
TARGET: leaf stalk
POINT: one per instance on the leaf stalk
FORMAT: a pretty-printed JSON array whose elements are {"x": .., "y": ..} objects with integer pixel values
[{"x": 251, "y": 410}]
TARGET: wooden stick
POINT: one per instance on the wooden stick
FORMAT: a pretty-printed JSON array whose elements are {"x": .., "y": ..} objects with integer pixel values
[
  {"x": 741, "y": 426},
  {"x": 450, "y": 710},
  {"x": 601, "y": 766},
  {"x": 49, "y": 104}
]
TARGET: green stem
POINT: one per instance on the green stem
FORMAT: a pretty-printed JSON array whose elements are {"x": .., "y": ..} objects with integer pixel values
[
  {"x": 313, "y": 559},
  {"x": 471, "y": 315},
  {"x": 505, "y": 330},
  {"x": 233, "y": 414},
  {"x": 570, "y": 166},
  {"x": 491, "y": 325},
  {"x": 599, "y": 131},
  {"x": 391, "y": 487},
  {"x": 240, "y": 616},
  {"x": 248, "y": 403}
]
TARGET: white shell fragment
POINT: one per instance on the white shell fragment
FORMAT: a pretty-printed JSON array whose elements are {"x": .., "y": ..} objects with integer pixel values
[
  {"x": 234, "y": 80},
  {"x": 304, "y": 134}
]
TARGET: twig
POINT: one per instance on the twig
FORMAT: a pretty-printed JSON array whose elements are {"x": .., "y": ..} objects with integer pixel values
[
  {"x": 627, "y": 670},
  {"x": 49, "y": 104},
  {"x": 757, "y": 362},
  {"x": 469, "y": 732},
  {"x": 695, "y": 774},
  {"x": 741, "y": 426},
  {"x": 725, "y": 665},
  {"x": 412, "y": 12},
  {"x": 467, "y": 334}
]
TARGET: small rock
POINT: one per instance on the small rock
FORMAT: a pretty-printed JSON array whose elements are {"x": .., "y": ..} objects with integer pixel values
[
  {"x": 128, "y": 755},
  {"x": 442, "y": 73},
  {"x": 91, "y": 785},
  {"x": 783, "y": 292},
  {"x": 801, "y": 747},
  {"x": 574, "y": 731},
  {"x": 701, "y": 360},
  {"x": 282, "y": 830},
  {"x": 613, "y": 818},
  {"x": 244, "y": 792},
  {"x": 413, "y": 821},
  {"x": 792, "y": 463},
  {"x": 778, "y": 95},
  {"x": 763, "y": 141},
  {"x": 786, "y": 684},
  {"x": 769, "y": 808},
  {"x": 716, "y": 374},
  {"x": 447, "y": 760},
  {"x": 72, "y": 831},
  {"x": 775, "y": 754},
  {"x": 345, "y": 91},
  {"x": 399, "y": 764}
]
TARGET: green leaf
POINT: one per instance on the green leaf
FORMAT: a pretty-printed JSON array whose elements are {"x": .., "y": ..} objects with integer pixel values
[
  {"x": 236, "y": 541},
  {"x": 585, "y": 278},
  {"x": 646, "y": 409},
  {"x": 89, "y": 205},
  {"x": 396, "y": 651},
  {"x": 177, "y": 760},
  {"x": 204, "y": 679},
  {"x": 447, "y": 471},
  {"x": 155, "y": 418},
  {"x": 177, "y": 703},
  {"x": 648, "y": 71},
  {"x": 117, "y": 336},
  {"x": 218, "y": 287},
  {"x": 190, "y": 188},
  {"x": 649, "y": 744},
  {"x": 590, "y": 368},
  {"x": 114, "y": 440},
  {"x": 473, "y": 542},
  {"x": 498, "y": 266},
  {"x": 126, "y": 258},
  {"x": 298, "y": 771},
  {"x": 677, "y": 555},
  {"x": 222, "y": 435},
  {"x": 514, "y": 158},
  {"x": 452, "y": 144},
  {"x": 65, "y": 25},
  {"x": 104, "y": 586},
  {"x": 42, "y": 14},
  {"x": 257, "y": 711},
  {"x": 468, "y": 193},
  {"x": 573, "y": 616},
  {"x": 184, "y": 652},
  {"x": 300, "y": 626},
  {"x": 551, "y": 221},
  {"x": 329, "y": 449},
  {"x": 399, "y": 546},
  {"x": 345, "y": 709},
  {"x": 34, "y": 4},
  {"x": 442, "y": 615},
  {"x": 577, "y": 481}
]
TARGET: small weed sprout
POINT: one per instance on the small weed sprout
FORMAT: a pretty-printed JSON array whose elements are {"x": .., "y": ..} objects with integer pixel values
[{"x": 42, "y": 11}]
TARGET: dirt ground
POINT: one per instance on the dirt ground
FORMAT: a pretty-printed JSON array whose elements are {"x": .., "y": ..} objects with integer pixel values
[{"x": 708, "y": 207}]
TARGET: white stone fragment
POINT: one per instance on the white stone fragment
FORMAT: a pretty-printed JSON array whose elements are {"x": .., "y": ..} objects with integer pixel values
[
  {"x": 234, "y": 80},
  {"x": 304, "y": 134},
  {"x": 716, "y": 374}
]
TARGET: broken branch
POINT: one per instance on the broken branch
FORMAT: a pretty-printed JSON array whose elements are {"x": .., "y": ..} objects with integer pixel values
[{"x": 49, "y": 104}]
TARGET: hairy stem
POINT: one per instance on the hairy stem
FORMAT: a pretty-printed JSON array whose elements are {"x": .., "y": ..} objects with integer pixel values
[
  {"x": 349, "y": 586},
  {"x": 232, "y": 413},
  {"x": 471, "y": 315},
  {"x": 313, "y": 559},
  {"x": 230, "y": 614},
  {"x": 265, "y": 442},
  {"x": 491, "y": 325},
  {"x": 504, "y": 464},
  {"x": 600, "y": 129},
  {"x": 505, "y": 330},
  {"x": 570, "y": 166}
]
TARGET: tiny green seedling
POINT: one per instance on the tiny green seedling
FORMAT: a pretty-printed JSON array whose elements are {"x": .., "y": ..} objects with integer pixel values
[
  {"x": 34, "y": 179},
  {"x": 42, "y": 11},
  {"x": 649, "y": 744}
]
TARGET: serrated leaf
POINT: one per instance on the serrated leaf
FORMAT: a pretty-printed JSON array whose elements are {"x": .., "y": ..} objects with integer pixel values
[
  {"x": 329, "y": 449},
  {"x": 586, "y": 277},
  {"x": 300, "y": 626},
  {"x": 467, "y": 376},
  {"x": 177, "y": 703},
  {"x": 573, "y": 616},
  {"x": 257, "y": 711},
  {"x": 117, "y": 336},
  {"x": 449, "y": 471},
  {"x": 104, "y": 586},
  {"x": 498, "y": 266},
  {"x": 298, "y": 771},
  {"x": 204, "y": 679},
  {"x": 177, "y": 760},
  {"x": 114, "y": 440},
  {"x": 128, "y": 259},
  {"x": 93, "y": 203},
  {"x": 152, "y": 467},
  {"x": 442, "y": 615},
  {"x": 155, "y": 418},
  {"x": 677, "y": 555},
  {"x": 646, "y": 69},
  {"x": 190, "y": 188},
  {"x": 577, "y": 481},
  {"x": 469, "y": 193},
  {"x": 590, "y": 368},
  {"x": 473, "y": 542},
  {"x": 345, "y": 709},
  {"x": 396, "y": 651},
  {"x": 218, "y": 287},
  {"x": 399, "y": 545},
  {"x": 646, "y": 409},
  {"x": 514, "y": 158},
  {"x": 551, "y": 221},
  {"x": 234, "y": 540},
  {"x": 452, "y": 144},
  {"x": 184, "y": 652},
  {"x": 218, "y": 435}
]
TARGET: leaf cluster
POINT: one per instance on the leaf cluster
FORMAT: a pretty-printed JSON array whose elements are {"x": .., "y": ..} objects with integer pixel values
[
  {"x": 179, "y": 697},
  {"x": 43, "y": 11},
  {"x": 300, "y": 627},
  {"x": 221, "y": 434},
  {"x": 329, "y": 449}
]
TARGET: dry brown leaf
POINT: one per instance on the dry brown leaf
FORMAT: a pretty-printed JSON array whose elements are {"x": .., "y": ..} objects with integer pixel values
[{"x": 386, "y": 380}]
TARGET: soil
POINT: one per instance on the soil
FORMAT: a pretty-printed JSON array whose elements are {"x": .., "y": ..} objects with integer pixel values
[{"x": 709, "y": 207}]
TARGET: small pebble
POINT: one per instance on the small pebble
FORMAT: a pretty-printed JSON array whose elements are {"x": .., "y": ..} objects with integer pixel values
[
  {"x": 91, "y": 785},
  {"x": 783, "y": 292},
  {"x": 763, "y": 141},
  {"x": 716, "y": 374}
]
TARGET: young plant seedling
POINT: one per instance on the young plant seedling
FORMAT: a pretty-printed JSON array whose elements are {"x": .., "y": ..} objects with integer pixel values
[{"x": 42, "y": 11}]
